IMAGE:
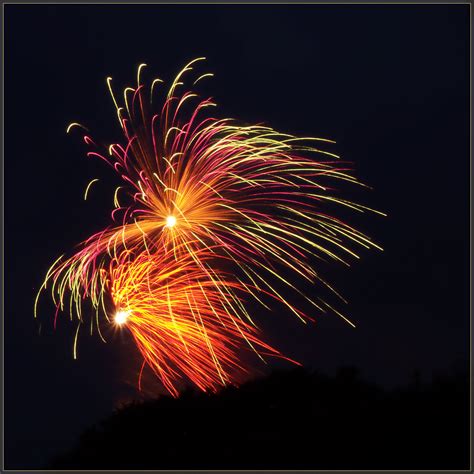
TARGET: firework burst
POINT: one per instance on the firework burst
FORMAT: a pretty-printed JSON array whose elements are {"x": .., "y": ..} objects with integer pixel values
[
  {"x": 183, "y": 322},
  {"x": 200, "y": 195}
]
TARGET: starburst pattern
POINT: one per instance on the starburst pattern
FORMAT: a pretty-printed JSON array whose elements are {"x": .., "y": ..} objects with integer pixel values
[{"x": 210, "y": 214}]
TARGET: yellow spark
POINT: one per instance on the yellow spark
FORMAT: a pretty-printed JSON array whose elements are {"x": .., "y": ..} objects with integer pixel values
[{"x": 88, "y": 187}]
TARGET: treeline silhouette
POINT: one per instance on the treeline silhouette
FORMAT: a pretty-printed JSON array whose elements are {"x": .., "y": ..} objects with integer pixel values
[{"x": 288, "y": 420}]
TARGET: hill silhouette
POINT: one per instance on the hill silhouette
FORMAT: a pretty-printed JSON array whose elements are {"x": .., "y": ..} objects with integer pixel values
[{"x": 288, "y": 420}]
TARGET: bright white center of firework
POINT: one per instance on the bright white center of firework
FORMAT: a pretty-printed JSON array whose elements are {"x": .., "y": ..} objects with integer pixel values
[
  {"x": 170, "y": 221},
  {"x": 121, "y": 317}
]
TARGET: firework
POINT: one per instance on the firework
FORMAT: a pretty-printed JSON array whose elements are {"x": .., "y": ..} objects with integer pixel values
[
  {"x": 200, "y": 195},
  {"x": 184, "y": 323},
  {"x": 260, "y": 195}
]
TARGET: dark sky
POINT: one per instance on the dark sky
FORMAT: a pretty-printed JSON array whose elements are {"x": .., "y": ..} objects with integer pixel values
[{"x": 390, "y": 83}]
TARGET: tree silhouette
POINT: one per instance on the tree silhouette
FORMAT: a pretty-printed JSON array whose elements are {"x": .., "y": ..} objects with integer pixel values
[{"x": 288, "y": 420}]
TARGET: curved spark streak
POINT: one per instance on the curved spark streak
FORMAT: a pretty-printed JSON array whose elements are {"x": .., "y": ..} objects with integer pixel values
[{"x": 88, "y": 187}]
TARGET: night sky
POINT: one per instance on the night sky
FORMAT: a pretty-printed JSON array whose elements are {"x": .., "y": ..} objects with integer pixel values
[{"x": 389, "y": 83}]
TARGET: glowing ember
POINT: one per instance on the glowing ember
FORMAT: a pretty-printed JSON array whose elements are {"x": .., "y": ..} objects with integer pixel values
[
  {"x": 121, "y": 317},
  {"x": 170, "y": 221}
]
